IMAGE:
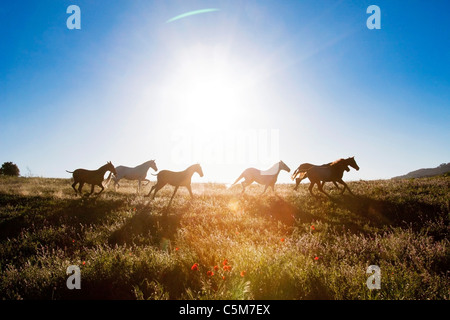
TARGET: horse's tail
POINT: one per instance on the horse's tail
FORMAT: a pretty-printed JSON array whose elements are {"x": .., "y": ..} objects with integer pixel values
[
  {"x": 240, "y": 177},
  {"x": 108, "y": 180},
  {"x": 69, "y": 171},
  {"x": 294, "y": 175},
  {"x": 301, "y": 172},
  {"x": 154, "y": 174}
]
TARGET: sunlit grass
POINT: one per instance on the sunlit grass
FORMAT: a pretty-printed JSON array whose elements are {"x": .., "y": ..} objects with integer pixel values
[{"x": 286, "y": 245}]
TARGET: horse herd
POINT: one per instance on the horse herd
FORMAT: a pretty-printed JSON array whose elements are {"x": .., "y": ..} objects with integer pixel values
[{"x": 330, "y": 172}]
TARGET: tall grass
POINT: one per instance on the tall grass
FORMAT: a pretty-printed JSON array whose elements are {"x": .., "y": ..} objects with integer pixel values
[{"x": 283, "y": 246}]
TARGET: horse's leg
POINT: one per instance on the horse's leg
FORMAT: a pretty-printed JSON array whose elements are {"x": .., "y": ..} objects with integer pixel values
[
  {"x": 273, "y": 188},
  {"x": 73, "y": 186},
  {"x": 190, "y": 190},
  {"x": 319, "y": 185},
  {"x": 245, "y": 184},
  {"x": 337, "y": 186},
  {"x": 92, "y": 189},
  {"x": 80, "y": 187},
  {"x": 157, "y": 188},
  {"x": 139, "y": 186},
  {"x": 297, "y": 182},
  {"x": 153, "y": 187},
  {"x": 101, "y": 186},
  {"x": 345, "y": 186},
  {"x": 175, "y": 191},
  {"x": 311, "y": 185},
  {"x": 265, "y": 188}
]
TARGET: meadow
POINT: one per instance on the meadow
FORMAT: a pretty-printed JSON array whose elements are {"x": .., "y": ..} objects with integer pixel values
[{"x": 222, "y": 245}]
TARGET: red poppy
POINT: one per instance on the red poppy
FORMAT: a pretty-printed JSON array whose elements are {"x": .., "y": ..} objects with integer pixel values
[
  {"x": 84, "y": 262},
  {"x": 282, "y": 240},
  {"x": 176, "y": 249},
  {"x": 194, "y": 267},
  {"x": 225, "y": 262},
  {"x": 227, "y": 268},
  {"x": 209, "y": 273},
  {"x": 313, "y": 228},
  {"x": 243, "y": 273},
  {"x": 223, "y": 277},
  {"x": 73, "y": 241},
  {"x": 216, "y": 268},
  {"x": 316, "y": 258}
]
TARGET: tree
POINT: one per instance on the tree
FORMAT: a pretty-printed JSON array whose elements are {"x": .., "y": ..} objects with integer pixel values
[{"x": 9, "y": 169}]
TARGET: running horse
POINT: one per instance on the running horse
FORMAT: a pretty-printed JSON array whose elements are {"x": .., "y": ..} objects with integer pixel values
[
  {"x": 176, "y": 179},
  {"x": 268, "y": 178},
  {"x": 138, "y": 173},
  {"x": 92, "y": 177},
  {"x": 302, "y": 174},
  {"x": 332, "y": 173}
]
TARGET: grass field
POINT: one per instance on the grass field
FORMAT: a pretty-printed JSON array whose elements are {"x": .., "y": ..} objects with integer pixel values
[{"x": 222, "y": 245}]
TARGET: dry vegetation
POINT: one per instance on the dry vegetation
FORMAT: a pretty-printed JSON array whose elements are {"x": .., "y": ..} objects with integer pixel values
[{"x": 284, "y": 246}]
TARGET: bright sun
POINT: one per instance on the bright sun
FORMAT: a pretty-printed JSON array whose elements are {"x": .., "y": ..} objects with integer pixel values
[{"x": 209, "y": 89}]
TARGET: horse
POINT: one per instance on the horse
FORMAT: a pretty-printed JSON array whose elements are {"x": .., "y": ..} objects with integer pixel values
[
  {"x": 138, "y": 173},
  {"x": 176, "y": 179},
  {"x": 303, "y": 174},
  {"x": 268, "y": 178},
  {"x": 93, "y": 177},
  {"x": 333, "y": 172}
]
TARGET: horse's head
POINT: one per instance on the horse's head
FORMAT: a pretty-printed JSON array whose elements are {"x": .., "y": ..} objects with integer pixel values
[
  {"x": 110, "y": 167},
  {"x": 199, "y": 170},
  {"x": 153, "y": 165},
  {"x": 283, "y": 166},
  {"x": 352, "y": 163}
]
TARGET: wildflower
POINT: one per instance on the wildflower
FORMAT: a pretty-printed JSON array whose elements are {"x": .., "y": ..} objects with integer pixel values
[
  {"x": 282, "y": 240},
  {"x": 227, "y": 268},
  {"x": 223, "y": 278},
  {"x": 194, "y": 267},
  {"x": 316, "y": 258},
  {"x": 243, "y": 273},
  {"x": 84, "y": 262},
  {"x": 225, "y": 262},
  {"x": 209, "y": 273},
  {"x": 134, "y": 209},
  {"x": 73, "y": 241},
  {"x": 216, "y": 268},
  {"x": 313, "y": 228},
  {"x": 176, "y": 249}
]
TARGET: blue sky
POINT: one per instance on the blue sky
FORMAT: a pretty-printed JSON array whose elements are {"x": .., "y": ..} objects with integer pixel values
[{"x": 129, "y": 87}]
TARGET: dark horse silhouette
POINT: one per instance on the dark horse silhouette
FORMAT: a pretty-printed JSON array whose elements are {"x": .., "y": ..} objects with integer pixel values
[
  {"x": 332, "y": 173},
  {"x": 93, "y": 177},
  {"x": 176, "y": 179},
  {"x": 302, "y": 174}
]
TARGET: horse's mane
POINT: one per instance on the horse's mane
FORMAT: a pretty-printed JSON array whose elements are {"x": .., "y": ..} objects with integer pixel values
[{"x": 337, "y": 162}]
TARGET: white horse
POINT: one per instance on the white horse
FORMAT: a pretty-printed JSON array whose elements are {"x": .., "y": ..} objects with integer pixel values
[
  {"x": 138, "y": 173},
  {"x": 268, "y": 178}
]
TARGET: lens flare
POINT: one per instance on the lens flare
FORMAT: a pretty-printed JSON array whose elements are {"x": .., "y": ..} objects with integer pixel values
[{"x": 191, "y": 13}]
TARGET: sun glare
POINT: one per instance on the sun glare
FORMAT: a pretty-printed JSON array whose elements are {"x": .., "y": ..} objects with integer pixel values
[{"x": 208, "y": 89}]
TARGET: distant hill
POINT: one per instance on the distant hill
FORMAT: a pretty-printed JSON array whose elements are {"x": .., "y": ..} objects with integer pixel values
[{"x": 429, "y": 172}]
